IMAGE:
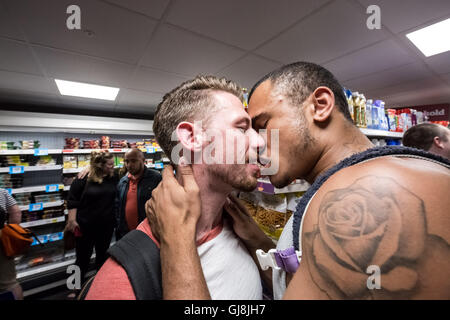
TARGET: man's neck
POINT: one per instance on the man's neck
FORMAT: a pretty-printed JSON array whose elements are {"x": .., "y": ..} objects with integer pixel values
[
  {"x": 337, "y": 149},
  {"x": 212, "y": 200}
]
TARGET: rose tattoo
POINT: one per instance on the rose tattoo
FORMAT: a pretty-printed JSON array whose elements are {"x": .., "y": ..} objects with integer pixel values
[{"x": 375, "y": 221}]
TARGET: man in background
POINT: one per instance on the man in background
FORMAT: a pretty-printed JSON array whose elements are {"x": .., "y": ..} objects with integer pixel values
[
  {"x": 133, "y": 191},
  {"x": 430, "y": 137}
]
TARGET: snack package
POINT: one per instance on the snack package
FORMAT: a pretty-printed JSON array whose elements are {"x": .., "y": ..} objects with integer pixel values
[
  {"x": 269, "y": 211},
  {"x": 69, "y": 162},
  {"x": 84, "y": 160}
]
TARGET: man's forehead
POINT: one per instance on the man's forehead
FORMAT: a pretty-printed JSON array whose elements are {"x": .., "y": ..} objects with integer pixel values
[{"x": 260, "y": 100}]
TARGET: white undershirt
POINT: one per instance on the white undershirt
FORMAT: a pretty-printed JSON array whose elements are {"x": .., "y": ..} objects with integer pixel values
[{"x": 230, "y": 272}]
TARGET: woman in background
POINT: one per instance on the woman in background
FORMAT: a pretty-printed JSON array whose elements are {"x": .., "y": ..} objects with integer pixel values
[{"x": 91, "y": 211}]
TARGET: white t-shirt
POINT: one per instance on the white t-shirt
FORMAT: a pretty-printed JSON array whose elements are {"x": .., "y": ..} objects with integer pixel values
[{"x": 230, "y": 272}]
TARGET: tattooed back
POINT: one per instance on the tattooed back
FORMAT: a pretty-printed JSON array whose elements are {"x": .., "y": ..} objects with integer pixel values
[{"x": 377, "y": 230}]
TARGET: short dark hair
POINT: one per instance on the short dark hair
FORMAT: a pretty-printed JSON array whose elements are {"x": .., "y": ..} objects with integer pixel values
[
  {"x": 299, "y": 79},
  {"x": 421, "y": 136}
]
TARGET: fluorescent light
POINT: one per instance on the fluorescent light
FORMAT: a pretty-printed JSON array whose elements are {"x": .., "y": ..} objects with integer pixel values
[
  {"x": 85, "y": 90},
  {"x": 433, "y": 39}
]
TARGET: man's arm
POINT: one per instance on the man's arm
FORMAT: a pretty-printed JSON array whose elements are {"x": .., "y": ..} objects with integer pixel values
[
  {"x": 15, "y": 215},
  {"x": 173, "y": 212},
  {"x": 370, "y": 238}
]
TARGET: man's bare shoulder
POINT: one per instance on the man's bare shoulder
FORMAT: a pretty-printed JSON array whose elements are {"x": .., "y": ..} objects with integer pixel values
[{"x": 378, "y": 230}]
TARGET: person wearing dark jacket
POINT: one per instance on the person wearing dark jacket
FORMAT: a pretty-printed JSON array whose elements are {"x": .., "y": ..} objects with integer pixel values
[{"x": 133, "y": 191}]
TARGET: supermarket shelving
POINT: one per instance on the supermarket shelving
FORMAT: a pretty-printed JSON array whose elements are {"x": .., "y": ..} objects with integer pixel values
[
  {"x": 29, "y": 151},
  {"x": 42, "y": 222},
  {"x": 33, "y": 168},
  {"x": 381, "y": 133},
  {"x": 36, "y": 189},
  {"x": 44, "y": 205}
]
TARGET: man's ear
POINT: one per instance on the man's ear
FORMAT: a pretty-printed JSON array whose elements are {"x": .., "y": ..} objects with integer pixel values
[
  {"x": 323, "y": 101},
  {"x": 188, "y": 136},
  {"x": 438, "y": 142}
]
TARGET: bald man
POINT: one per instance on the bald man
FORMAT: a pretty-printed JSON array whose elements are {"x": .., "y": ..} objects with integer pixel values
[{"x": 133, "y": 190}]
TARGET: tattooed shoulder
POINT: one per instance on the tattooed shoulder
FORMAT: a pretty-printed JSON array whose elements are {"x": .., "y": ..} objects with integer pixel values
[{"x": 370, "y": 241}]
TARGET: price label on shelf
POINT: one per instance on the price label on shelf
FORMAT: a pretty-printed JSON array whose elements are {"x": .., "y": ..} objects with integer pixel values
[
  {"x": 36, "y": 206},
  {"x": 150, "y": 149},
  {"x": 41, "y": 152},
  {"x": 16, "y": 169},
  {"x": 51, "y": 188}
]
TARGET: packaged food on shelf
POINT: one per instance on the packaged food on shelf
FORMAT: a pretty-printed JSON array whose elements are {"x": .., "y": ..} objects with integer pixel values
[
  {"x": 29, "y": 144},
  {"x": 91, "y": 144},
  {"x": 356, "y": 108},
  {"x": 392, "y": 119},
  {"x": 369, "y": 120},
  {"x": 70, "y": 162},
  {"x": 105, "y": 142},
  {"x": 119, "y": 144},
  {"x": 348, "y": 94},
  {"x": 271, "y": 213},
  {"x": 46, "y": 161},
  {"x": 23, "y": 199},
  {"x": 72, "y": 143},
  {"x": 362, "y": 112},
  {"x": 8, "y": 145},
  {"x": 84, "y": 160}
]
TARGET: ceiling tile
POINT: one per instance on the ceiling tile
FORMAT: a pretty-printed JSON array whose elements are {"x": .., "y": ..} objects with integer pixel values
[
  {"x": 391, "y": 77},
  {"x": 76, "y": 67},
  {"x": 136, "y": 98},
  {"x": 369, "y": 60},
  {"x": 26, "y": 83},
  {"x": 440, "y": 63},
  {"x": 335, "y": 30},
  {"x": 400, "y": 15},
  {"x": 248, "y": 70},
  {"x": 245, "y": 24},
  {"x": 16, "y": 56},
  {"x": 155, "y": 81},
  {"x": 8, "y": 25},
  {"x": 182, "y": 52},
  {"x": 44, "y": 22},
  {"x": 409, "y": 87},
  {"x": 423, "y": 96},
  {"x": 153, "y": 8}
]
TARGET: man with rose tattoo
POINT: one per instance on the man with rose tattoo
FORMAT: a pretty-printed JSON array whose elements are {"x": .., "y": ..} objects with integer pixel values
[{"x": 383, "y": 209}]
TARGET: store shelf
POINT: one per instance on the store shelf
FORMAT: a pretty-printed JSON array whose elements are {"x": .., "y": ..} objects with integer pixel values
[
  {"x": 35, "y": 189},
  {"x": 42, "y": 222},
  {"x": 44, "y": 268},
  {"x": 73, "y": 170},
  {"x": 44, "y": 205},
  {"x": 30, "y": 151},
  {"x": 33, "y": 168},
  {"x": 381, "y": 133},
  {"x": 46, "y": 238},
  {"x": 87, "y": 151},
  {"x": 267, "y": 187}
]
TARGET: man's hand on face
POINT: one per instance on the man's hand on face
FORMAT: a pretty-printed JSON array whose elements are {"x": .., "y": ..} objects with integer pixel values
[{"x": 174, "y": 209}]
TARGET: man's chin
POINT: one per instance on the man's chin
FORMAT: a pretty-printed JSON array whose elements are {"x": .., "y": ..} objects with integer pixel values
[{"x": 279, "y": 182}]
